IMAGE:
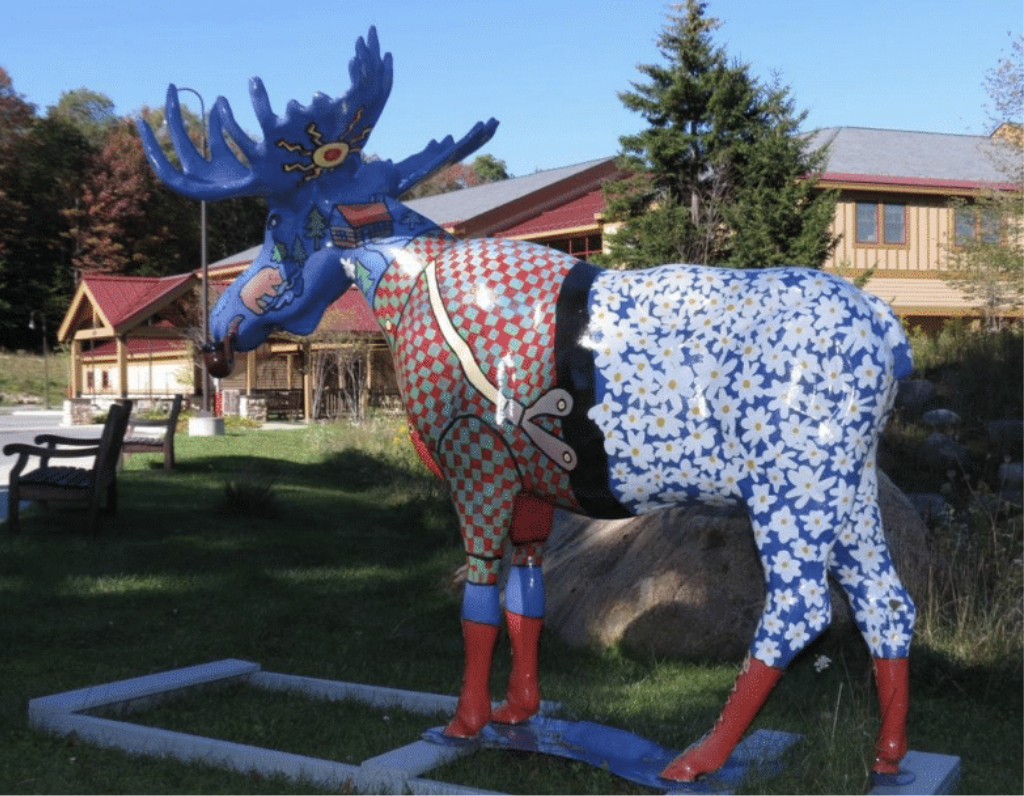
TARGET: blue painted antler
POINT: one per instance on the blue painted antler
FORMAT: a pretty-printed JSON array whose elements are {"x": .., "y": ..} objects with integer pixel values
[
  {"x": 320, "y": 142},
  {"x": 418, "y": 167}
]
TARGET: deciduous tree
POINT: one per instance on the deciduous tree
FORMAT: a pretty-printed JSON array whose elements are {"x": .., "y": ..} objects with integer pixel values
[
  {"x": 484, "y": 169},
  {"x": 42, "y": 160},
  {"x": 91, "y": 112},
  {"x": 986, "y": 253}
]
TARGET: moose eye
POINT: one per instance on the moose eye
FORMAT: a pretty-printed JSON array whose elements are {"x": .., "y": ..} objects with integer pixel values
[{"x": 273, "y": 220}]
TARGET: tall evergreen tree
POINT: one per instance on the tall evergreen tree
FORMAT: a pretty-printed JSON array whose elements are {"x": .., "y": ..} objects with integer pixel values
[{"x": 721, "y": 174}]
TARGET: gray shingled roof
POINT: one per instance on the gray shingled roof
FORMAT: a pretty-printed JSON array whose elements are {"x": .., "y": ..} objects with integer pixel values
[
  {"x": 456, "y": 206},
  {"x": 450, "y": 208},
  {"x": 896, "y": 155},
  {"x": 916, "y": 156}
]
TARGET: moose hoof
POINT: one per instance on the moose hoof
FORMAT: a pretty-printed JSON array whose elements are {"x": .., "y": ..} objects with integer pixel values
[
  {"x": 460, "y": 727},
  {"x": 680, "y": 771},
  {"x": 691, "y": 764},
  {"x": 508, "y": 713}
]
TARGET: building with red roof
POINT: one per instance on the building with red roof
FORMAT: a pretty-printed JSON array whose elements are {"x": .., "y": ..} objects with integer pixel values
[
  {"x": 895, "y": 219},
  {"x": 128, "y": 335}
]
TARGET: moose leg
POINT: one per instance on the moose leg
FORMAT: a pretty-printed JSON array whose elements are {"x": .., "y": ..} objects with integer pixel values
[
  {"x": 754, "y": 684},
  {"x": 481, "y": 613},
  {"x": 524, "y": 615},
  {"x": 796, "y": 610},
  {"x": 524, "y": 608},
  {"x": 484, "y": 481},
  {"x": 884, "y": 613},
  {"x": 892, "y": 679}
]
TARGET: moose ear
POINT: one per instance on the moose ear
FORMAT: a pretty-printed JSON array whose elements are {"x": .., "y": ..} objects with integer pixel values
[{"x": 417, "y": 168}]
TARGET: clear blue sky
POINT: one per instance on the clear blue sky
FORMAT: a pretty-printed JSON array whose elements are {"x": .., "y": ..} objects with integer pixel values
[{"x": 548, "y": 70}]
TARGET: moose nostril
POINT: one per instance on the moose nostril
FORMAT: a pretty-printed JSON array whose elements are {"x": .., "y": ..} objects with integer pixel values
[{"x": 219, "y": 358}]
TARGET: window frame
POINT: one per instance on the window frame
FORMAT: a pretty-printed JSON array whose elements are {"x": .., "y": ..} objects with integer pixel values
[
  {"x": 979, "y": 219},
  {"x": 582, "y": 246},
  {"x": 880, "y": 210}
]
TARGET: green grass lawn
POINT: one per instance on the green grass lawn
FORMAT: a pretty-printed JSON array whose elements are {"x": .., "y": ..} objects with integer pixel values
[
  {"x": 328, "y": 552},
  {"x": 24, "y": 375}
]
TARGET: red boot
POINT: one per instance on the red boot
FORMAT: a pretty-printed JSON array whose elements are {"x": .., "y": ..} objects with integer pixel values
[
  {"x": 756, "y": 680},
  {"x": 474, "y": 710},
  {"x": 892, "y": 679},
  {"x": 522, "y": 699}
]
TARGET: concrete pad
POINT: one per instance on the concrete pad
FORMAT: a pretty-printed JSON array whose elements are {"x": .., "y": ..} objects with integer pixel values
[
  {"x": 392, "y": 771},
  {"x": 395, "y": 771},
  {"x": 931, "y": 773},
  {"x": 138, "y": 691}
]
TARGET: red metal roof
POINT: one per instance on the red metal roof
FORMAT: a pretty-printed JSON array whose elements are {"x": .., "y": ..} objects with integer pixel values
[
  {"x": 916, "y": 182},
  {"x": 121, "y": 297},
  {"x": 572, "y": 215},
  {"x": 350, "y": 313},
  {"x": 137, "y": 346}
]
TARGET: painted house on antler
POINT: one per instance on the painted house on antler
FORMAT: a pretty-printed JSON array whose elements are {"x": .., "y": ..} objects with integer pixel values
[
  {"x": 353, "y": 224},
  {"x": 895, "y": 218}
]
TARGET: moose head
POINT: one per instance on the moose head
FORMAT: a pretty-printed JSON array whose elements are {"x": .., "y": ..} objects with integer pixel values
[{"x": 309, "y": 167}]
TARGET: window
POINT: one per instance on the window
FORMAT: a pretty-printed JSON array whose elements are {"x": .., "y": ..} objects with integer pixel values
[
  {"x": 582, "y": 247},
  {"x": 971, "y": 224},
  {"x": 880, "y": 224}
]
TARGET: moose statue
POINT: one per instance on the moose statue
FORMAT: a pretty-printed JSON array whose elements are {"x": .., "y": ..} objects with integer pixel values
[{"x": 535, "y": 381}]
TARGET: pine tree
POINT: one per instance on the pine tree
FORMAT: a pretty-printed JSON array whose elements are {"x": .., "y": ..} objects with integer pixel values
[
  {"x": 720, "y": 175},
  {"x": 316, "y": 226},
  {"x": 298, "y": 253}
]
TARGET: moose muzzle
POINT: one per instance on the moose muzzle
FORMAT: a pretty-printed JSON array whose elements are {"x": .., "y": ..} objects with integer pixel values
[{"x": 220, "y": 357}]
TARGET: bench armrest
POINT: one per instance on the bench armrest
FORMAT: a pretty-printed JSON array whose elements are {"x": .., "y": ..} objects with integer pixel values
[
  {"x": 24, "y": 449},
  {"x": 24, "y": 452},
  {"x": 55, "y": 439}
]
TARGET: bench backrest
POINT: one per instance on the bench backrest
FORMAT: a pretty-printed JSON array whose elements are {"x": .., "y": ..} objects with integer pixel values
[
  {"x": 112, "y": 437},
  {"x": 172, "y": 420}
]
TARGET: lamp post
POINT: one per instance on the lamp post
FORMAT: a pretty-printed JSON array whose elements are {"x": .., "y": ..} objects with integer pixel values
[
  {"x": 204, "y": 298},
  {"x": 46, "y": 359}
]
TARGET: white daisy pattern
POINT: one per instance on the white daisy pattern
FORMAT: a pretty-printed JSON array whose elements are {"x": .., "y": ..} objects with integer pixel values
[{"x": 771, "y": 386}]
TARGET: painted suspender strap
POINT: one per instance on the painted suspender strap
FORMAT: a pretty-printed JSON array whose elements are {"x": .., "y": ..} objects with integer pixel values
[
  {"x": 574, "y": 362},
  {"x": 556, "y": 402}
]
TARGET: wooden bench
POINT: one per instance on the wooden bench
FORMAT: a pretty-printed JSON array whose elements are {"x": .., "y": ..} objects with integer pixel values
[
  {"x": 157, "y": 443},
  {"x": 286, "y": 404},
  {"x": 66, "y": 483}
]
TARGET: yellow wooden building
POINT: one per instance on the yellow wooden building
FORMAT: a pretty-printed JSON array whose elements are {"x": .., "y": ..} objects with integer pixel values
[{"x": 895, "y": 219}]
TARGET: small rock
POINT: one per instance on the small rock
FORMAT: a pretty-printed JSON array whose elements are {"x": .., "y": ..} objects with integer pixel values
[
  {"x": 929, "y": 505},
  {"x": 913, "y": 394},
  {"x": 1006, "y": 438},
  {"x": 940, "y": 453},
  {"x": 941, "y": 417},
  {"x": 1011, "y": 475}
]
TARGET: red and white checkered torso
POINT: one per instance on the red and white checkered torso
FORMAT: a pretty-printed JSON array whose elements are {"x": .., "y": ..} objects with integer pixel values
[{"x": 501, "y": 297}]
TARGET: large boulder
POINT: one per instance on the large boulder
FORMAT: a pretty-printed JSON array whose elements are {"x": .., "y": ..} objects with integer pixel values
[{"x": 685, "y": 582}]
